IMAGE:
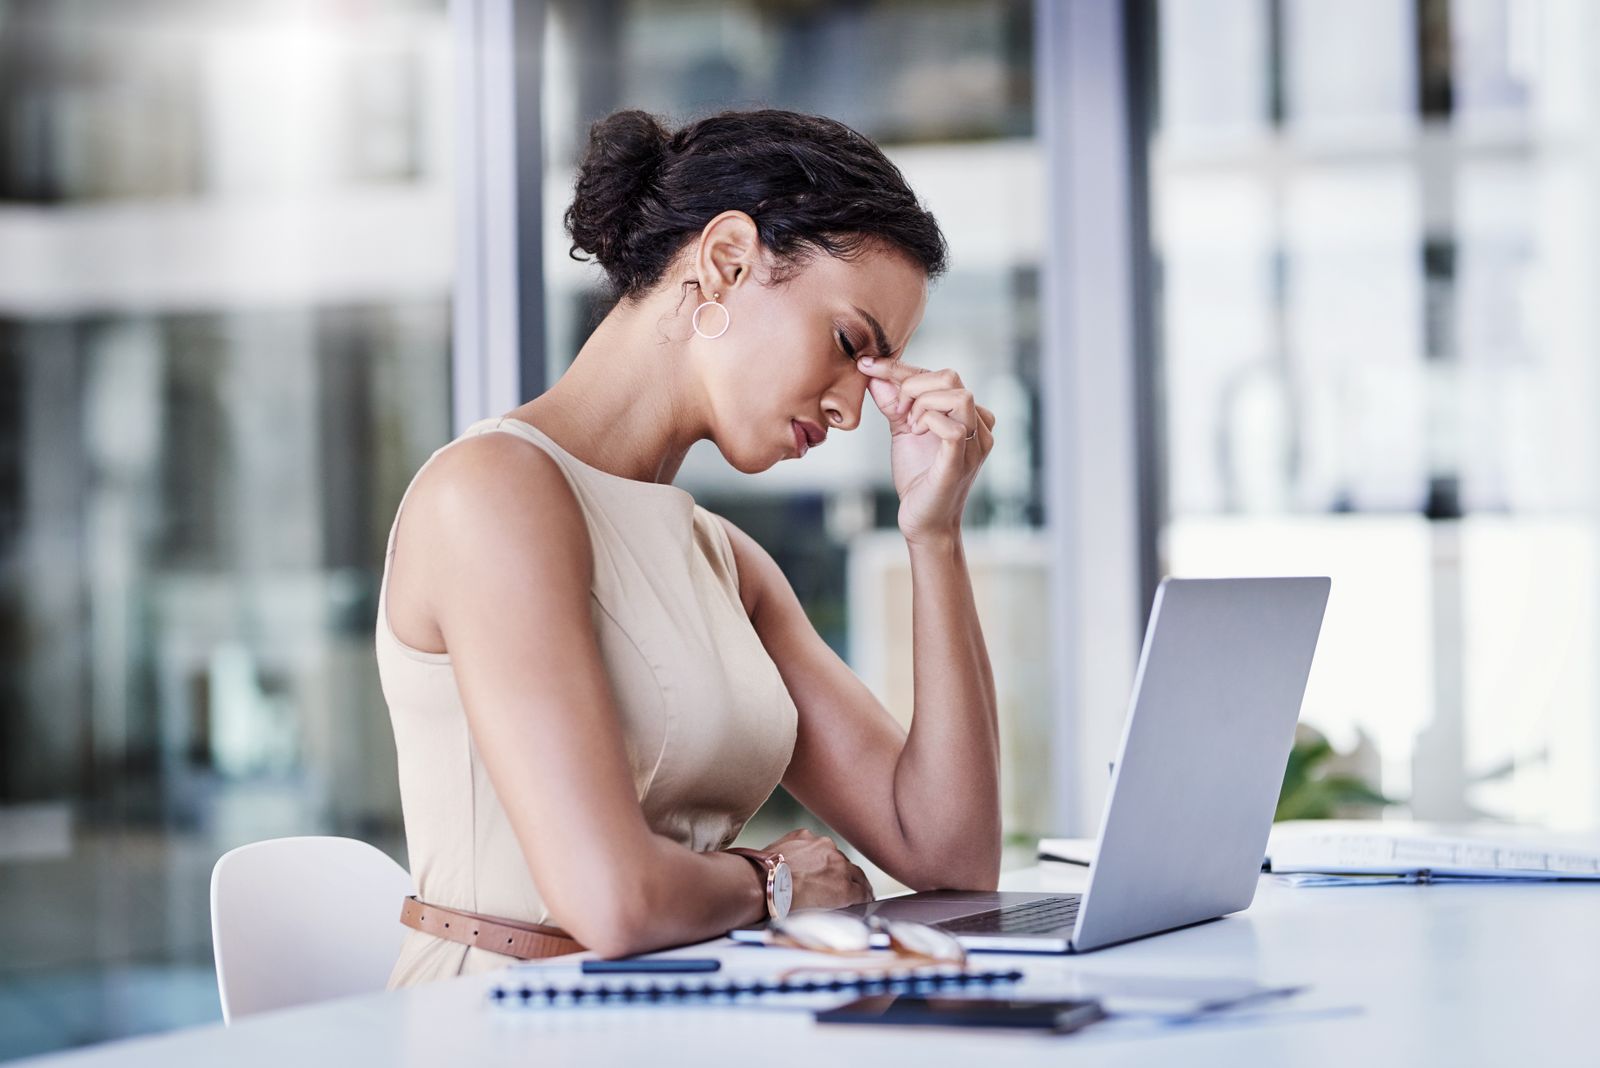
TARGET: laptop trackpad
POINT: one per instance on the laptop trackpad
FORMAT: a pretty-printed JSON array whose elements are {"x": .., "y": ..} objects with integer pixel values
[{"x": 936, "y": 906}]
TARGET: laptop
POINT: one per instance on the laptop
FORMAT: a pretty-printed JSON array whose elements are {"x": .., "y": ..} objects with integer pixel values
[{"x": 1215, "y": 701}]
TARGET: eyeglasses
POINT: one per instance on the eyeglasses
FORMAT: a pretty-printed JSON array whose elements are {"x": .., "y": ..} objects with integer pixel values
[{"x": 824, "y": 931}]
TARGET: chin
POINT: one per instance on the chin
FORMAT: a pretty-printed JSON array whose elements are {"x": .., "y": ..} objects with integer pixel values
[{"x": 749, "y": 463}]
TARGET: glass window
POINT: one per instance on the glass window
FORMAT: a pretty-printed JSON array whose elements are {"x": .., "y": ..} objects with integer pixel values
[
  {"x": 225, "y": 268},
  {"x": 1379, "y": 363}
]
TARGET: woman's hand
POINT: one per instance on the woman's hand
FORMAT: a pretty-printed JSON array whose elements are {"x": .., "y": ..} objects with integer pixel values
[
  {"x": 940, "y": 437},
  {"x": 823, "y": 877}
]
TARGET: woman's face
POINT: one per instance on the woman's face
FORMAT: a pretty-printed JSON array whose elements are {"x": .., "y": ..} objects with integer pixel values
[{"x": 783, "y": 375}]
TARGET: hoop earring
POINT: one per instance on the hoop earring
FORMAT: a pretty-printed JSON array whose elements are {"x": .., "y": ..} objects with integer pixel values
[{"x": 727, "y": 318}]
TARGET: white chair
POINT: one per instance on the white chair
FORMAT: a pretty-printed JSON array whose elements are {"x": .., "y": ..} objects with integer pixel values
[{"x": 296, "y": 920}]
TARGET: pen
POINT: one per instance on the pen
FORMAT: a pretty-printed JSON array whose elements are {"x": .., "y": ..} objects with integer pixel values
[{"x": 651, "y": 965}]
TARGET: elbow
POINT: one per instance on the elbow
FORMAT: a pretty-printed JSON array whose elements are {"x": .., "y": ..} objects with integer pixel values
[
  {"x": 960, "y": 854},
  {"x": 956, "y": 873},
  {"x": 614, "y": 942},
  {"x": 966, "y": 858},
  {"x": 986, "y": 878},
  {"x": 978, "y": 877},
  {"x": 613, "y": 923},
  {"x": 610, "y": 931}
]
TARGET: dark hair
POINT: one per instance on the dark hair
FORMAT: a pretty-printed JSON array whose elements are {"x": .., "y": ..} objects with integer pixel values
[{"x": 809, "y": 183}]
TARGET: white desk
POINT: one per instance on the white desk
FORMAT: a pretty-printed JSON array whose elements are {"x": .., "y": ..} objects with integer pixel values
[{"x": 1479, "y": 975}]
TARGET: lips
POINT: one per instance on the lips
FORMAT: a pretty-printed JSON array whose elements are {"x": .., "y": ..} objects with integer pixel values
[{"x": 806, "y": 434}]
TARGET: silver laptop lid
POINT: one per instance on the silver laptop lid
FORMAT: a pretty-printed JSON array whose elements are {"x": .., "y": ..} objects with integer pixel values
[{"x": 1215, "y": 700}]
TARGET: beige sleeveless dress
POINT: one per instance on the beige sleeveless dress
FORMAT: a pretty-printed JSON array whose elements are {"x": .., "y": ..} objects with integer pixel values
[{"x": 708, "y": 723}]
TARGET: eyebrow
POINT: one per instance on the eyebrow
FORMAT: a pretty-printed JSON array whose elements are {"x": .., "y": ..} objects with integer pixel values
[{"x": 878, "y": 336}]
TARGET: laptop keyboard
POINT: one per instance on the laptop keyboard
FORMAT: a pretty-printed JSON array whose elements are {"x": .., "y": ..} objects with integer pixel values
[{"x": 1048, "y": 915}]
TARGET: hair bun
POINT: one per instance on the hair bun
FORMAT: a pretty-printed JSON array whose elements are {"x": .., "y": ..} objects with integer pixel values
[
  {"x": 809, "y": 183},
  {"x": 615, "y": 177}
]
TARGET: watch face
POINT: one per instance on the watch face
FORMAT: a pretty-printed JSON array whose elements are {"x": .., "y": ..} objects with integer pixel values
[{"x": 782, "y": 889}]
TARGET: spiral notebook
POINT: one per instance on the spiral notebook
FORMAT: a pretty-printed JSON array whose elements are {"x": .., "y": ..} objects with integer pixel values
[{"x": 539, "y": 988}]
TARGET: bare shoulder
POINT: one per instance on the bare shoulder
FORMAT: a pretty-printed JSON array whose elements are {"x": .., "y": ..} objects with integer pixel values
[
  {"x": 502, "y": 474},
  {"x": 491, "y": 517}
]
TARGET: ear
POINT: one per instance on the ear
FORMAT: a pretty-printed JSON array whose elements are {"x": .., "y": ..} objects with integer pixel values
[{"x": 727, "y": 254}]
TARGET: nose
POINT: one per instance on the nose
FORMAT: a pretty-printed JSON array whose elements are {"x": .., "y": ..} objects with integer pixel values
[{"x": 844, "y": 413}]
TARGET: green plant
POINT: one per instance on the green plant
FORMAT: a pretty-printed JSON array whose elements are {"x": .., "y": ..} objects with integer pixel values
[{"x": 1311, "y": 792}]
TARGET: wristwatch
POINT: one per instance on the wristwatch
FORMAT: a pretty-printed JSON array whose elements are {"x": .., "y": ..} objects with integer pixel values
[{"x": 775, "y": 875}]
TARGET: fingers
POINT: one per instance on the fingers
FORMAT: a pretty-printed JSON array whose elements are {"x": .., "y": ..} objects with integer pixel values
[
  {"x": 911, "y": 380},
  {"x": 799, "y": 834},
  {"x": 887, "y": 378},
  {"x": 944, "y": 428},
  {"x": 905, "y": 394},
  {"x": 925, "y": 382},
  {"x": 824, "y": 876},
  {"x": 958, "y": 404},
  {"x": 886, "y": 395},
  {"x": 889, "y": 370},
  {"x": 859, "y": 880}
]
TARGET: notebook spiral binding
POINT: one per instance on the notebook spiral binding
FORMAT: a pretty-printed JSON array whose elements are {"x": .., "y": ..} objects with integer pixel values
[{"x": 535, "y": 995}]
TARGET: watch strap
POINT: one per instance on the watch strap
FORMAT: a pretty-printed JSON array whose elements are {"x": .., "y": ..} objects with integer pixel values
[
  {"x": 763, "y": 859},
  {"x": 766, "y": 863}
]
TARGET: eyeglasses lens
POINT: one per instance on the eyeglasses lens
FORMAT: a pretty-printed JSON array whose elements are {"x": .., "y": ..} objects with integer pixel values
[
  {"x": 819, "y": 929},
  {"x": 925, "y": 941}
]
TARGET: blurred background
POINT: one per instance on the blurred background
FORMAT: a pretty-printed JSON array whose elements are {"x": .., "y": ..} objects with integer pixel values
[{"x": 243, "y": 258}]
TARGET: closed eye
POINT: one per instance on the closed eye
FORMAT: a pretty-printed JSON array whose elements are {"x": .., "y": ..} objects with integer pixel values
[{"x": 849, "y": 349}]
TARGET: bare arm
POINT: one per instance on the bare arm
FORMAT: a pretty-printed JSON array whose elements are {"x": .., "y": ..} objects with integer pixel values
[
  {"x": 508, "y": 581},
  {"x": 959, "y": 737},
  {"x": 924, "y": 806}
]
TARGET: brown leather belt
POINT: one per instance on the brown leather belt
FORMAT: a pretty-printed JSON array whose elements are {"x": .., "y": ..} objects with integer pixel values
[{"x": 527, "y": 941}]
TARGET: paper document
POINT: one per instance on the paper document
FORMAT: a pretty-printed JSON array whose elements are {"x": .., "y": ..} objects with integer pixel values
[
  {"x": 1352, "y": 852},
  {"x": 1388, "y": 854}
]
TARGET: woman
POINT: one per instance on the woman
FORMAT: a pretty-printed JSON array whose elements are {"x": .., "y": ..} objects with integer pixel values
[{"x": 593, "y": 681}]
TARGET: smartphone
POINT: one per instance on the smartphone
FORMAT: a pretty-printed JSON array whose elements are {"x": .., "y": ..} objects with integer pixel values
[{"x": 1060, "y": 1016}]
